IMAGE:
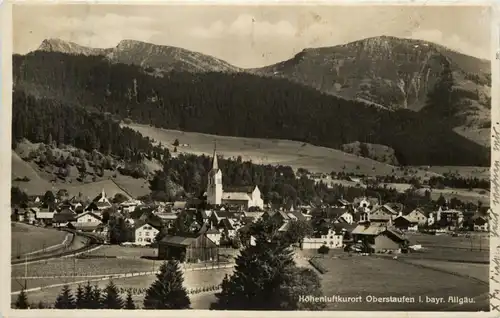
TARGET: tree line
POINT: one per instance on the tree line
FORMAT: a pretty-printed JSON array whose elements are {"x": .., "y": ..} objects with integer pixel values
[{"x": 246, "y": 105}]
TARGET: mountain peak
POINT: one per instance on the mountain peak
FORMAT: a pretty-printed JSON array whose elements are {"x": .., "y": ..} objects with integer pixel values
[{"x": 62, "y": 46}]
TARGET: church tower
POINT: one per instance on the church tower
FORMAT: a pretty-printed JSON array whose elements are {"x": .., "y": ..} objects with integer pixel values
[{"x": 214, "y": 187}]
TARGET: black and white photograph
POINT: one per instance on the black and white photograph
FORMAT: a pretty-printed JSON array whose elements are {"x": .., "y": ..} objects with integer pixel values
[{"x": 251, "y": 157}]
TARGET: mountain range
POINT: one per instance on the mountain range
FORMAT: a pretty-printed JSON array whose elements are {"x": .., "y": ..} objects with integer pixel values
[
  {"x": 431, "y": 105},
  {"x": 385, "y": 72}
]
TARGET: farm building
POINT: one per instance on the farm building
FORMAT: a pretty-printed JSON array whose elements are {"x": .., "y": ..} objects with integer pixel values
[
  {"x": 63, "y": 218},
  {"x": 403, "y": 223},
  {"x": 378, "y": 237},
  {"x": 418, "y": 216},
  {"x": 191, "y": 249}
]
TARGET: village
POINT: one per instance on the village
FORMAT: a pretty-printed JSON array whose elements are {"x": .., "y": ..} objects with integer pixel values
[{"x": 366, "y": 224}]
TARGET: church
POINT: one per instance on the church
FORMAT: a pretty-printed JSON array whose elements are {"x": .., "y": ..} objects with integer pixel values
[{"x": 245, "y": 197}]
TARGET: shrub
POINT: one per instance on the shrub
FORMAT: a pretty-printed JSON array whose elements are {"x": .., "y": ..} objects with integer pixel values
[{"x": 323, "y": 249}]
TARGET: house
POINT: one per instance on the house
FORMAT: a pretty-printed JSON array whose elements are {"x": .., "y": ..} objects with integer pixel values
[
  {"x": 87, "y": 221},
  {"x": 228, "y": 228},
  {"x": 417, "y": 216},
  {"x": 211, "y": 232},
  {"x": 145, "y": 233},
  {"x": 481, "y": 224},
  {"x": 103, "y": 231},
  {"x": 130, "y": 205},
  {"x": 19, "y": 214},
  {"x": 45, "y": 216},
  {"x": 63, "y": 218},
  {"x": 365, "y": 204},
  {"x": 245, "y": 198},
  {"x": 402, "y": 222},
  {"x": 330, "y": 239},
  {"x": 188, "y": 248},
  {"x": 377, "y": 237},
  {"x": 449, "y": 218}
]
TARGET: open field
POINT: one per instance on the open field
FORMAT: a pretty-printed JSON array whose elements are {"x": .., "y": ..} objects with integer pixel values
[
  {"x": 364, "y": 275},
  {"x": 192, "y": 279},
  {"x": 464, "y": 171},
  {"x": 28, "y": 238},
  {"x": 266, "y": 151},
  {"x": 461, "y": 194},
  {"x": 478, "y": 271},
  {"x": 476, "y": 241}
]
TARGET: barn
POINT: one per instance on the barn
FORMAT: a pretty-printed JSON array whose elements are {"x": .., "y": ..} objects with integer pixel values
[{"x": 188, "y": 248}]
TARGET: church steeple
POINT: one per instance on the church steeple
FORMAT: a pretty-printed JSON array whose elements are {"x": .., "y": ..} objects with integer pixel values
[{"x": 215, "y": 163}]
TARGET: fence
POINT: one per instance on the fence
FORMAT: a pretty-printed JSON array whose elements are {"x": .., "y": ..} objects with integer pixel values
[
  {"x": 129, "y": 274},
  {"x": 68, "y": 239}
]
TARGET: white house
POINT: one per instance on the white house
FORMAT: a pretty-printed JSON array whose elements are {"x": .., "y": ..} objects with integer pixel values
[
  {"x": 331, "y": 240},
  {"x": 130, "y": 205},
  {"x": 250, "y": 197},
  {"x": 417, "y": 216},
  {"x": 87, "y": 221},
  {"x": 347, "y": 216},
  {"x": 145, "y": 233}
]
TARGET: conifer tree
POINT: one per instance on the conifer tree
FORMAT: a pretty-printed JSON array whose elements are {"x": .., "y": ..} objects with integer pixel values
[
  {"x": 22, "y": 300},
  {"x": 65, "y": 300},
  {"x": 129, "y": 302},
  {"x": 111, "y": 298},
  {"x": 167, "y": 292},
  {"x": 87, "y": 297},
  {"x": 266, "y": 277},
  {"x": 80, "y": 297},
  {"x": 95, "y": 302}
]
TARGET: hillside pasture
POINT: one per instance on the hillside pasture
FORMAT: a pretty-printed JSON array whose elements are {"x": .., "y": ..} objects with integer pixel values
[
  {"x": 463, "y": 171},
  {"x": 265, "y": 151},
  {"x": 28, "y": 238},
  {"x": 463, "y": 195}
]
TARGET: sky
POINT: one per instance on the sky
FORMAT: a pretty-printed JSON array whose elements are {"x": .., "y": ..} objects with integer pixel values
[{"x": 250, "y": 36}]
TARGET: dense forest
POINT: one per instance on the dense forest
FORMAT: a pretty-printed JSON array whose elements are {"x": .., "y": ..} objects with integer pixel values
[
  {"x": 43, "y": 120},
  {"x": 242, "y": 105}
]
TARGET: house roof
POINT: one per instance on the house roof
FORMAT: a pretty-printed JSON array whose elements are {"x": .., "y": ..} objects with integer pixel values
[
  {"x": 242, "y": 189},
  {"x": 182, "y": 241},
  {"x": 140, "y": 223},
  {"x": 64, "y": 217},
  {"x": 235, "y": 196},
  {"x": 395, "y": 232},
  {"x": 371, "y": 229},
  {"x": 179, "y": 205},
  {"x": 89, "y": 213},
  {"x": 226, "y": 224},
  {"x": 45, "y": 214}
]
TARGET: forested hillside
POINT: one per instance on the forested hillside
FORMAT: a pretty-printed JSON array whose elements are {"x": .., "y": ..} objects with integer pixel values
[{"x": 235, "y": 104}]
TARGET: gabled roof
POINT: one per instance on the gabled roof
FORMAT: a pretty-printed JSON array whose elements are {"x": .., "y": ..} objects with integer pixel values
[
  {"x": 235, "y": 196},
  {"x": 89, "y": 213},
  {"x": 242, "y": 189},
  {"x": 64, "y": 217},
  {"x": 181, "y": 241},
  {"x": 369, "y": 229},
  {"x": 141, "y": 223},
  {"x": 226, "y": 224},
  {"x": 297, "y": 215}
]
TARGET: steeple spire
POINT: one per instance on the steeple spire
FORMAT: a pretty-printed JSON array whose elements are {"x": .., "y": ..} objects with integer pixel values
[{"x": 215, "y": 163}]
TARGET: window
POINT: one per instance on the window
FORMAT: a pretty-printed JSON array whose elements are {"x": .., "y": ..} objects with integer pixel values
[
  {"x": 140, "y": 234},
  {"x": 148, "y": 240},
  {"x": 89, "y": 220},
  {"x": 140, "y": 240},
  {"x": 147, "y": 233}
]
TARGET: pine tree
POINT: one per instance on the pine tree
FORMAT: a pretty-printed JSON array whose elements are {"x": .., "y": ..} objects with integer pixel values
[
  {"x": 95, "y": 302},
  {"x": 129, "y": 302},
  {"x": 80, "y": 297},
  {"x": 167, "y": 292},
  {"x": 86, "y": 301},
  {"x": 111, "y": 298},
  {"x": 265, "y": 276},
  {"x": 65, "y": 300},
  {"x": 22, "y": 300}
]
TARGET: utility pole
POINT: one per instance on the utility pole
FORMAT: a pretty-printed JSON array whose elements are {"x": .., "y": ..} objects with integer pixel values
[{"x": 25, "y": 272}]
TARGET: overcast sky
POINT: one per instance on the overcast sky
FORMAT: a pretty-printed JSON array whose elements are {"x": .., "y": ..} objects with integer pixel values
[{"x": 250, "y": 36}]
